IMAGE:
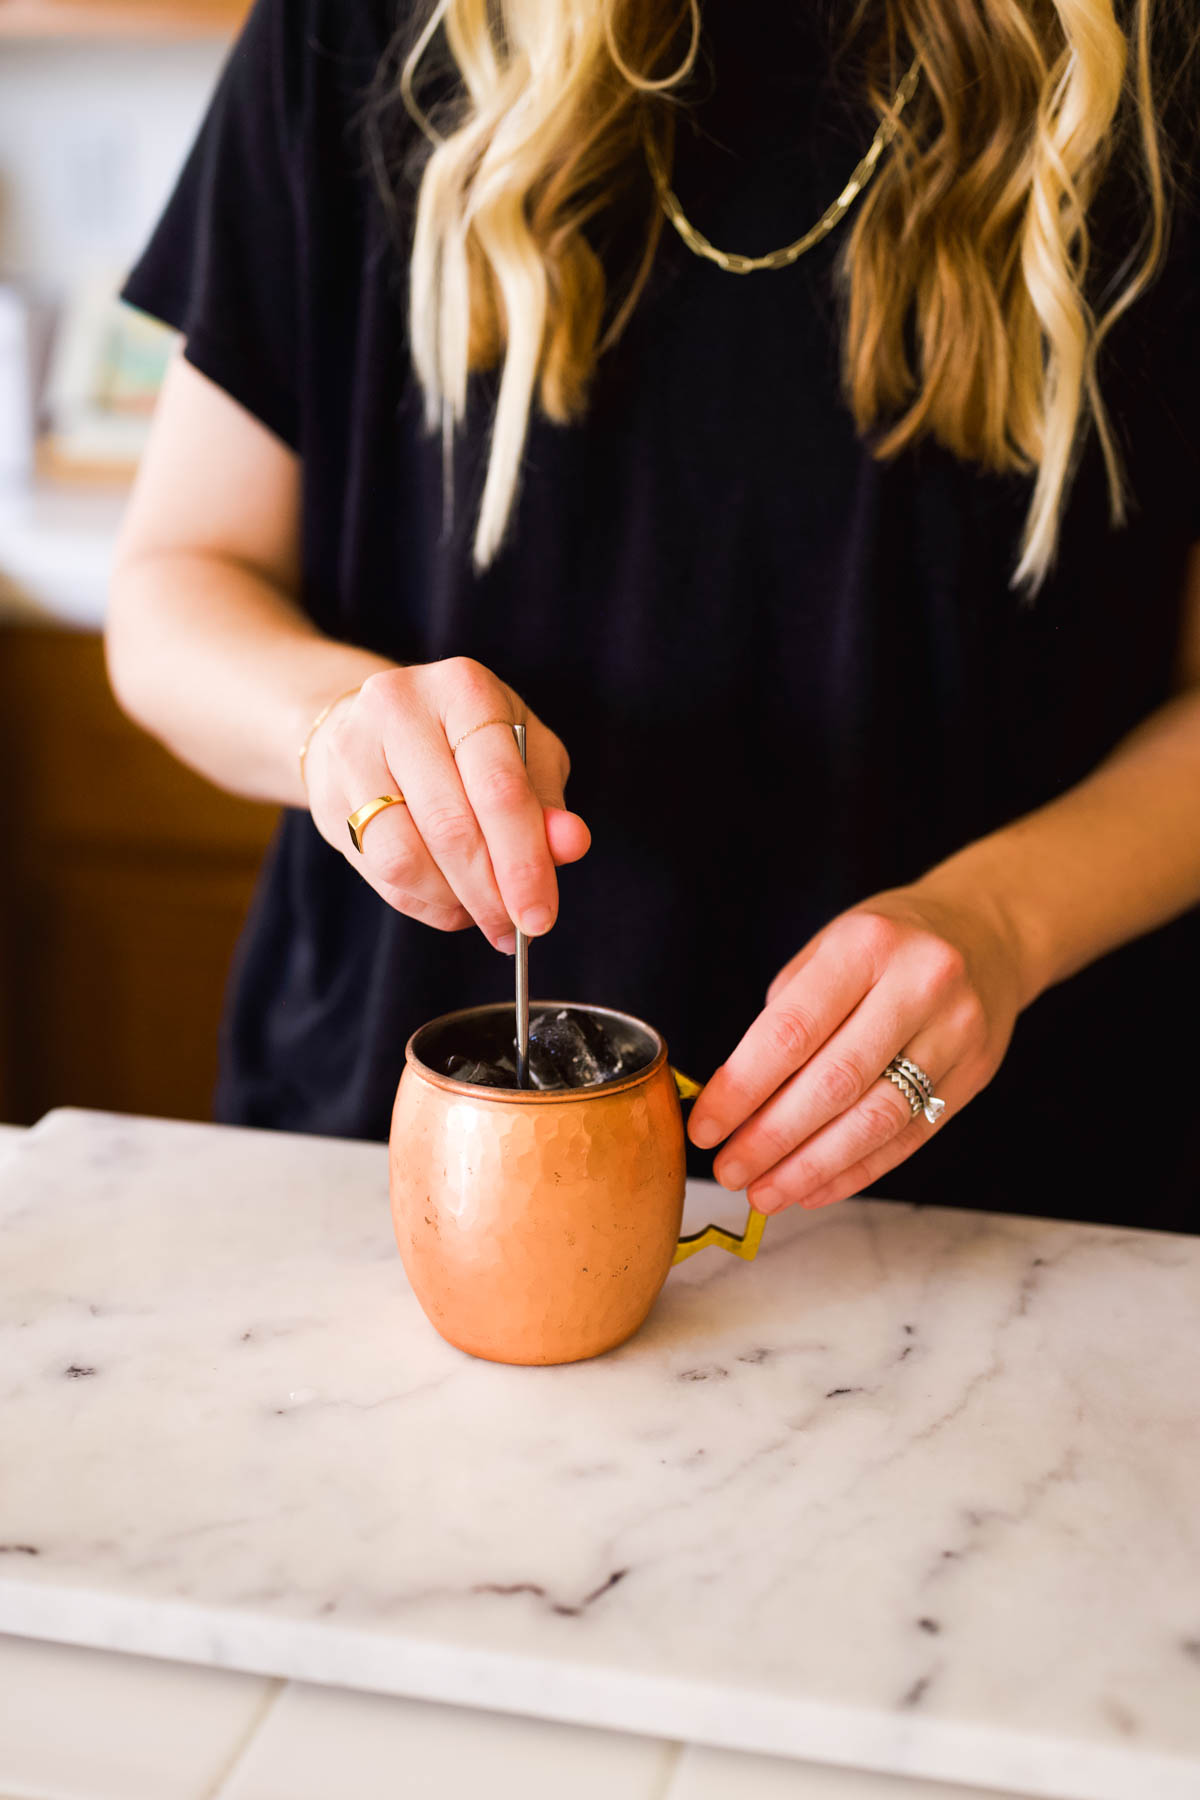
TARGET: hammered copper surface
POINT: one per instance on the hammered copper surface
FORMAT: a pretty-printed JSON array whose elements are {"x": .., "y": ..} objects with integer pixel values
[{"x": 537, "y": 1227}]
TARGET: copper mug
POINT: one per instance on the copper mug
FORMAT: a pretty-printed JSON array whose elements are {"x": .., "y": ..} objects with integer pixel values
[{"x": 538, "y": 1226}]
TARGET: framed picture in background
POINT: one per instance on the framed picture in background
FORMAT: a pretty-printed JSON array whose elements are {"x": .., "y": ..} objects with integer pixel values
[{"x": 106, "y": 367}]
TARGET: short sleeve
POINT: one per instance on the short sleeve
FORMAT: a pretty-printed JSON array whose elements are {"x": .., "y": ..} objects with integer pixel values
[{"x": 222, "y": 265}]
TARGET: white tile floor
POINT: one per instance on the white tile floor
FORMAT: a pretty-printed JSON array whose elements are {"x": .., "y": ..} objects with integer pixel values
[
  {"x": 96, "y": 1725},
  {"x": 93, "y": 1725},
  {"x": 318, "y": 1743}
]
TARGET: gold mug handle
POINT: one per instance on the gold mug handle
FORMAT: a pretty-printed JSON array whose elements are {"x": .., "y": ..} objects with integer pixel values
[{"x": 747, "y": 1244}]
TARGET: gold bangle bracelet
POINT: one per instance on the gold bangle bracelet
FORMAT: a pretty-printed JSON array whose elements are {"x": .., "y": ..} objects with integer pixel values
[{"x": 318, "y": 722}]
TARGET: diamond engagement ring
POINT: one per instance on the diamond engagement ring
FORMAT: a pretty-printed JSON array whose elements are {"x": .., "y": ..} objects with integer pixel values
[{"x": 916, "y": 1087}]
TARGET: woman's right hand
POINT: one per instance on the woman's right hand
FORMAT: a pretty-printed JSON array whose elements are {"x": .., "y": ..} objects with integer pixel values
[{"x": 480, "y": 834}]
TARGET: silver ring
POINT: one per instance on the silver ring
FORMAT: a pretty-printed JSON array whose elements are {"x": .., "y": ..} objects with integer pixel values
[
  {"x": 909, "y": 1089},
  {"x": 915, "y": 1076}
]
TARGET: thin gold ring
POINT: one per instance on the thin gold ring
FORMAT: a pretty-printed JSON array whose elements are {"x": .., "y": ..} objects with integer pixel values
[
  {"x": 479, "y": 727},
  {"x": 358, "y": 821}
]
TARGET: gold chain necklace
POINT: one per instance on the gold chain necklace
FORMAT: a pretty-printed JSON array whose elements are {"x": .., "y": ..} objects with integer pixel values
[{"x": 738, "y": 264}]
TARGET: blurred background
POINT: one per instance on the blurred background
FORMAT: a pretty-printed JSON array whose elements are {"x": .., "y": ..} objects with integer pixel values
[{"x": 125, "y": 877}]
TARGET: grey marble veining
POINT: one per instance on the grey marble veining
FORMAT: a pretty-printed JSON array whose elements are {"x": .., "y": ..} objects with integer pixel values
[{"x": 917, "y": 1491}]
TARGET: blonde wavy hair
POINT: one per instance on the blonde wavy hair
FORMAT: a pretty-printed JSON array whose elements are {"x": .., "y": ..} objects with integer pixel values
[{"x": 963, "y": 272}]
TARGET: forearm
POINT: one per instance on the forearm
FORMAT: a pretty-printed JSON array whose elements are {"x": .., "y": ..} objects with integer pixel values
[
  {"x": 1116, "y": 856},
  {"x": 223, "y": 668}
]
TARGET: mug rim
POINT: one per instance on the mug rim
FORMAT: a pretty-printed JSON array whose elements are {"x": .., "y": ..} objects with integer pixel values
[{"x": 527, "y": 1096}]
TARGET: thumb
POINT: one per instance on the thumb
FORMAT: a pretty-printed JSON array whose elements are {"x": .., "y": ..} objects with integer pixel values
[
  {"x": 548, "y": 768},
  {"x": 566, "y": 833},
  {"x": 547, "y": 764}
]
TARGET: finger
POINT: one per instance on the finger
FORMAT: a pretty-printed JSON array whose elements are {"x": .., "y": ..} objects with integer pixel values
[
  {"x": 445, "y": 818},
  {"x": 864, "y": 1174},
  {"x": 547, "y": 763},
  {"x": 832, "y": 1080},
  {"x": 791, "y": 968},
  {"x": 512, "y": 822},
  {"x": 782, "y": 1038},
  {"x": 567, "y": 835},
  {"x": 851, "y": 1148},
  {"x": 871, "y": 1168},
  {"x": 548, "y": 767},
  {"x": 394, "y": 860},
  {"x": 347, "y": 770}
]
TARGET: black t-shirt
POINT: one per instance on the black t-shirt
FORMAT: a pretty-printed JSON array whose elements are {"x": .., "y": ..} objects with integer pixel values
[{"x": 788, "y": 675}]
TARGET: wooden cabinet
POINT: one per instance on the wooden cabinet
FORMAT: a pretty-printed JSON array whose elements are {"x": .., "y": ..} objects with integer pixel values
[
  {"x": 126, "y": 881},
  {"x": 120, "y": 18}
]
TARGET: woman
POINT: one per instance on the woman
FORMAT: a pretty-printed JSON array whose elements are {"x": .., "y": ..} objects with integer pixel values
[{"x": 859, "y": 592}]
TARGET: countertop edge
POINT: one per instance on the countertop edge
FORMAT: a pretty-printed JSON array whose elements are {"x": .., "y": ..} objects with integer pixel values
[{"x": 886, "y": 1742}]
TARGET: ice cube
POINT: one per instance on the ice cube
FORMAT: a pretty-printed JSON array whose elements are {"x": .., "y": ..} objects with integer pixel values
[
  {"x": 567, "y": 1049},
  {"x": 480, "y": 1071},
  {"x": 563, "y": 1053},
  {"x": 615, "y": 1052}
]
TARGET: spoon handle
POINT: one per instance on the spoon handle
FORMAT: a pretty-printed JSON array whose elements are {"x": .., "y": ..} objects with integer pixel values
[{"x": 522, "y": 962}]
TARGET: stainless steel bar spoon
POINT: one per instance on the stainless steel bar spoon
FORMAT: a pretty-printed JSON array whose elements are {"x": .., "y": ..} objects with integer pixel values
[{"x": 522, "y": 962}]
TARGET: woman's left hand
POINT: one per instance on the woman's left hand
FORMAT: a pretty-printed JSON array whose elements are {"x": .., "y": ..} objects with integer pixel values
[{"x": 909, "y": 972}]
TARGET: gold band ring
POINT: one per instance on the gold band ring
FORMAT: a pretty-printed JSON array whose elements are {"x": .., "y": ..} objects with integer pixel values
[
  {"x": 479, "y": 727},
  {"x": 358, "y": 821}
]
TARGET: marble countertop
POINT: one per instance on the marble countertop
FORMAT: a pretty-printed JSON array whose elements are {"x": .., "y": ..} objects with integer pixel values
[{"x": 916, "y": 1492}]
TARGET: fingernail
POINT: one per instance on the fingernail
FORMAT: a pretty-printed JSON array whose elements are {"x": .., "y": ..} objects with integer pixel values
[
  {"x": 704, "y": 1133},
  {"x": 507, "y": 943},
  {"x": 536, "y": 920},
  {"x": 765, "y": 1200},
  {"x": 733, "y": 1175}
]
